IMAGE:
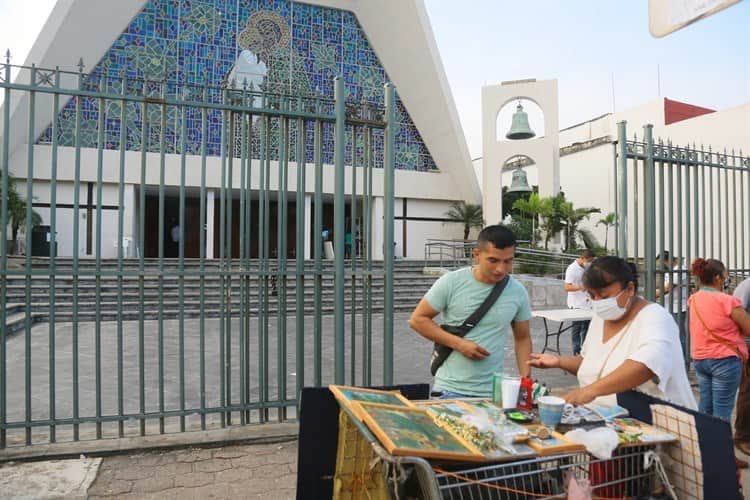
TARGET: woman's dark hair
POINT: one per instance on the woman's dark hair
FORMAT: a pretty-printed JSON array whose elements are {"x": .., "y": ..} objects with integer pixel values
[
  {"x": 706, "y": 270},
  {"x": 609, "y": 269}
]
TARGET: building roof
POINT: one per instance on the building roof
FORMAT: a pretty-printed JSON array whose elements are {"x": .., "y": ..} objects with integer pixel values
[{"x": 676, "y": 111}]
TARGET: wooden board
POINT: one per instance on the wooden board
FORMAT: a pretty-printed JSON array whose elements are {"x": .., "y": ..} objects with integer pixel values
[
  {"x": 347, "y": 395},
  {"x": 556, "y": 444}
]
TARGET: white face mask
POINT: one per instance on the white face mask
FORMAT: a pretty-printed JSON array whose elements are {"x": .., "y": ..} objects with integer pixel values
[{"x": 608, "y": 309}]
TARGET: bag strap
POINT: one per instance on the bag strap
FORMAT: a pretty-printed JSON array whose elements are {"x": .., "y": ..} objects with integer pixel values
[
  {"x": 711, "y": 332},
  {"x": 485, "y": 306}
]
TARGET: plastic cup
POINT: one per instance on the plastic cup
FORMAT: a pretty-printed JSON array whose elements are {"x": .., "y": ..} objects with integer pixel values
[
  {"x": 497, "y": 388},
  {"x": 511, "y": 386},
  {"x": 551, "y": 410}
]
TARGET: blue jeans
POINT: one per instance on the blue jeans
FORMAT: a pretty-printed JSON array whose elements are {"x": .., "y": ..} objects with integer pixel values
[
  {"x": 578, "y": 331},
  {"x": 718, "y": 380}
]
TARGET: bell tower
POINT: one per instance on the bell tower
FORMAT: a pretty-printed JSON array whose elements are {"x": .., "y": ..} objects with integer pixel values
[{"x": 544, "y": 149}]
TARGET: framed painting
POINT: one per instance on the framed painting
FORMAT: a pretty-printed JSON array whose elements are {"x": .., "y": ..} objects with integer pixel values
[
  {"x": 410, "y": 431},
  {"x": 633, "y": 432},
  {"x": 347, "y": 395}
]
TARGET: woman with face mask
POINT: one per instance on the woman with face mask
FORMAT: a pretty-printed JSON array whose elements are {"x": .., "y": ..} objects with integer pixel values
[
  {"x": 717, "y": 324},
  {"x": 631, "y": 343}
]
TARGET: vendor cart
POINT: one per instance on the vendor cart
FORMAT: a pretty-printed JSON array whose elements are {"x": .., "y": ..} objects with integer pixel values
[{"x": 364, "y": 469}]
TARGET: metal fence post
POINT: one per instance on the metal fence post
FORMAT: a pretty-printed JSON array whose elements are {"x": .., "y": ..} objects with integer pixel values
[
  {"x": 338, "y": 228},
  {"x": 650, "y": 207},
  {"x": 622, "y": 188},
  {"x": 388, "y": 215}
]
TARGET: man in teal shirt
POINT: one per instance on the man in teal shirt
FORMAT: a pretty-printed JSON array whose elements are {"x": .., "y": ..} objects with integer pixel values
[{"x": 456, "y": 295}]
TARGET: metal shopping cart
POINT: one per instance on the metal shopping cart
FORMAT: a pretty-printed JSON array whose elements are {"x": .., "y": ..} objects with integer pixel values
[{"x": 364, "y": 469}]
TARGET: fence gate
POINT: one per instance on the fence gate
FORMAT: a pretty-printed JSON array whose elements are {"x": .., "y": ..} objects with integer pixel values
[
  {"x": 688, "y": 201},
  {"x": 186, "y": 300}
]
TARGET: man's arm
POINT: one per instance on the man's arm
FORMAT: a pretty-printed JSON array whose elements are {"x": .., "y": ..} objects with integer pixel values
[
  {"x": 422, "y": 322},
  {"x": 570, "y": 287},
  {"x": 522, "y": 340}
]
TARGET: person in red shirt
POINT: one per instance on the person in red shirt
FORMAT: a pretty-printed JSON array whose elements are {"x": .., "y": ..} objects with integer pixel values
[{"x": 717, "y": 325}]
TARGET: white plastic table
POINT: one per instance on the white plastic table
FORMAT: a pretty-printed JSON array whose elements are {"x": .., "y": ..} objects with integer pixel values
[{"x": 561, "y": 316}]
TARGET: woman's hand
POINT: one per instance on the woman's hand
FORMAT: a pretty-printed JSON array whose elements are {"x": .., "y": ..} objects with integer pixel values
[
  {"x": 543, "y": 360},
  {"x": 580, "y": 396}
]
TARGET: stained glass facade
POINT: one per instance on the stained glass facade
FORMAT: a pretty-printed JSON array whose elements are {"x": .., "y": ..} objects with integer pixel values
[{"x": 276, "y": 45}]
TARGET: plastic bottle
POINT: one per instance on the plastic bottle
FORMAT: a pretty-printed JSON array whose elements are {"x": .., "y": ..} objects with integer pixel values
[{"x": 526, "y": 394}]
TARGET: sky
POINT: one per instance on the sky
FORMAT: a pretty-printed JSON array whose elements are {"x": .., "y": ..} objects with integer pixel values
[{"x": 584, "y": 44}]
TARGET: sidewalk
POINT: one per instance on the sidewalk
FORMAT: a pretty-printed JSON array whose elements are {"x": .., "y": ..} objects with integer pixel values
[{"x": 246, "y": 471}]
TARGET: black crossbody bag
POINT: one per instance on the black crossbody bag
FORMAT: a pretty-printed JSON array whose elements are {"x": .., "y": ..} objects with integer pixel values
[{"x": 441, "y": 352}]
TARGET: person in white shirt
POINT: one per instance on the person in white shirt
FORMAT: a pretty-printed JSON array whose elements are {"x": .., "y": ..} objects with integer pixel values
[
  {"x": 631, "y": 343},
  {"x": 577, "y": 298},
  {"x": 676, "y": 290}
]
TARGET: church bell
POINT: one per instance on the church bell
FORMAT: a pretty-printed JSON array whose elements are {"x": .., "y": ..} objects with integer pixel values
[
  {"x": 519, "y": 128},
  {"x": 519, "y": 183}
]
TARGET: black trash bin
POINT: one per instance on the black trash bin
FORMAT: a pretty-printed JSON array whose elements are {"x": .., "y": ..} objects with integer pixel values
[{"x": 41, "y": 239}]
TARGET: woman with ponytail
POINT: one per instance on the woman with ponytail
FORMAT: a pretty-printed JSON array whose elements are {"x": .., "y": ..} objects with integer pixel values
[{"x": 717, "y": 325}]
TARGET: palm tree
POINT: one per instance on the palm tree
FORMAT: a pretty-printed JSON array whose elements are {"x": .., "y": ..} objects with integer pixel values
[
  {"x": 552, "y": 218},
  {"x": 572, "y": 217},
  {"x": 533, "y": 206},
  {"x": 610, "y": 220},
  {"x": 17, "y": 212},
  {"x": 468, "y": 214}
]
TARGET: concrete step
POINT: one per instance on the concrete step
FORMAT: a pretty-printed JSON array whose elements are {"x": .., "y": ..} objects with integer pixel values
[{"x": 17, "y": 322}]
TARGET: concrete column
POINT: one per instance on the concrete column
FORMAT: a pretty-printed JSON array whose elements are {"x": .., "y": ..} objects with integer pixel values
[
  {"x": 308, "y": 225},
  {"x": 377, "y": 227},
  {"x": 210, "y": 204},
  {"x": 128, "y": 221}
]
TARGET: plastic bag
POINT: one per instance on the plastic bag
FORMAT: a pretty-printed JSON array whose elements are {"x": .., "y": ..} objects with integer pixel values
[{"x": 600, "y": 442}]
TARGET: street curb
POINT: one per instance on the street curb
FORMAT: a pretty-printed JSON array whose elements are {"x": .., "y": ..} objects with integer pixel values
[{"x": 255, "y": 434}]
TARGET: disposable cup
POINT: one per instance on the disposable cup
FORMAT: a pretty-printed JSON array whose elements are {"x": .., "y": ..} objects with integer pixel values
[{"x": 511, "y": 386}]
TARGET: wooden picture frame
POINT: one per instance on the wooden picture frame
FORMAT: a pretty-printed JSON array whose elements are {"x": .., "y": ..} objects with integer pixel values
[
  {"x": 348, "y": 395},
  {"x": 556, "y": 444},
  {"x": 411, "y": 431},
  {"x": 452, "y": 407}
]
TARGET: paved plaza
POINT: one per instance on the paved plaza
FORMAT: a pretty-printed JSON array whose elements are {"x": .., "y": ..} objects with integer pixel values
[
  {"x": 411, "y": 355},
  {"x": 262, "y": 471}
]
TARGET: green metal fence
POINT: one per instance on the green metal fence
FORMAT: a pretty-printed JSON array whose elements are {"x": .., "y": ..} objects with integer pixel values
[
  {"x": 214, "y": 340},
  {"x": 688, "y": 201}
]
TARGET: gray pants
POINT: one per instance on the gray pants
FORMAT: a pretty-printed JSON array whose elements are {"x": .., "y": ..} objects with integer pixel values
[{"x": 682, "y": 325}]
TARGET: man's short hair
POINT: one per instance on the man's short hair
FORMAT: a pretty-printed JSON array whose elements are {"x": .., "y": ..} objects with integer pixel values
[
  {"x": 587, "y": 254},
  {"x": 499, "y": 235}
]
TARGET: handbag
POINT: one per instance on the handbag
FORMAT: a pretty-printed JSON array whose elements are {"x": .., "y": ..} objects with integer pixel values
[{"x": 441, "y": 352}]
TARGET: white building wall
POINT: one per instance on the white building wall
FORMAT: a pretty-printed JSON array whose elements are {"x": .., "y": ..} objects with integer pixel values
[
  {"x": 419, "y": 230},
  {"x": 587, "y": 177},
  {"x": 578, "y": 173}
]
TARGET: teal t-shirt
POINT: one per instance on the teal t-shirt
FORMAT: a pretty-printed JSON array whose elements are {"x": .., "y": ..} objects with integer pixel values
[{"x": 458, "y": 294}]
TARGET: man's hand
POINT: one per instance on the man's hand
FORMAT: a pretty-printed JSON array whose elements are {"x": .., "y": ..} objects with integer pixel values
[
  {"x": 543, "y": 360},
  {"x": 472, "y": 350},
  {"x": 580, "y": 396}
]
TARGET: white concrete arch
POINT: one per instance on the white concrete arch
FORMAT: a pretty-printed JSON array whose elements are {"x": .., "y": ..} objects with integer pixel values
[{"x": 543, "y": 149}]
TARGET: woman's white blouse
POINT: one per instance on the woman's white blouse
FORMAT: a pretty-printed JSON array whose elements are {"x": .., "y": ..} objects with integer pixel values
[{"x": 652, "y": 338}]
